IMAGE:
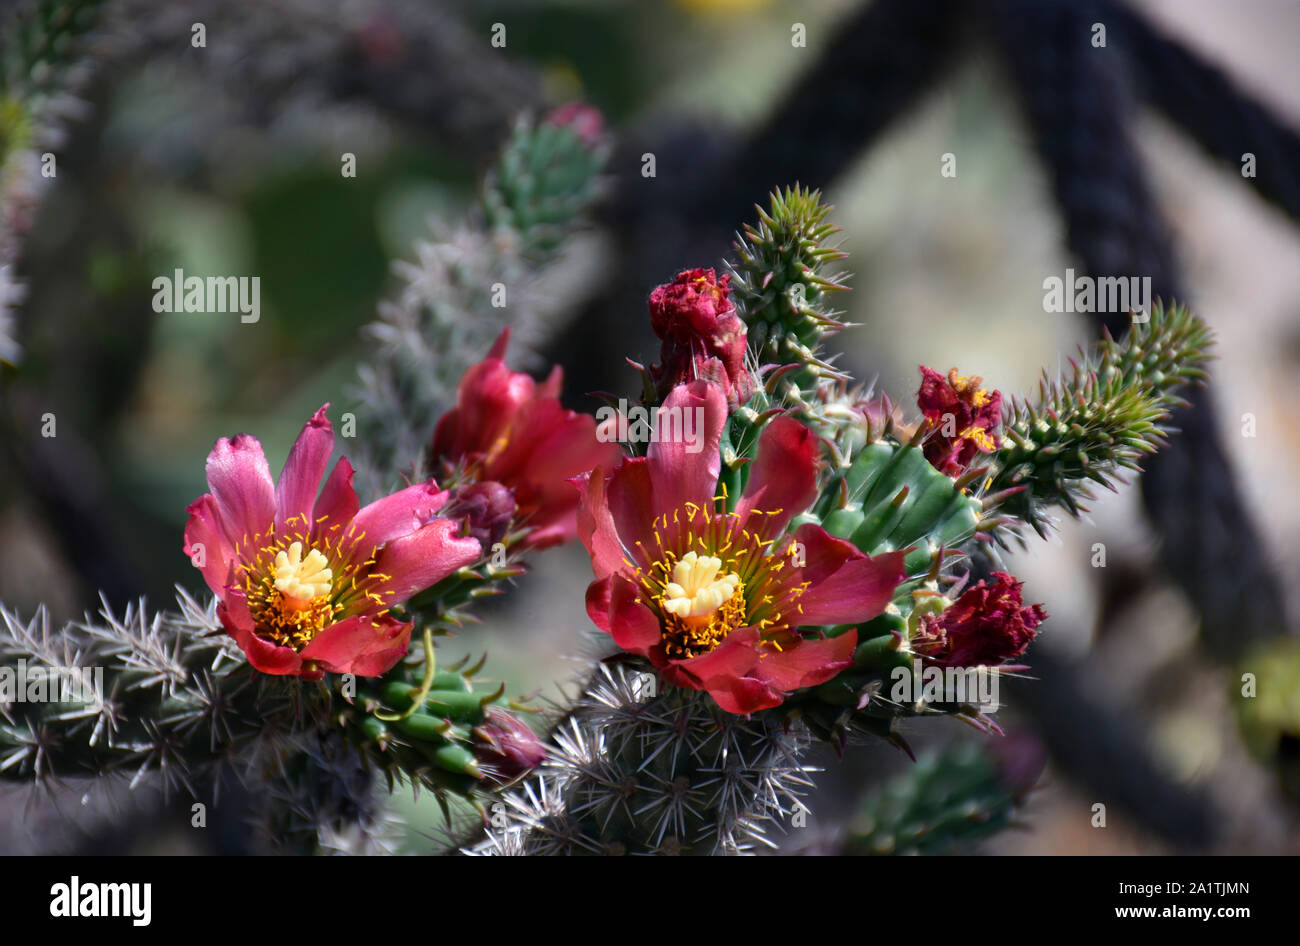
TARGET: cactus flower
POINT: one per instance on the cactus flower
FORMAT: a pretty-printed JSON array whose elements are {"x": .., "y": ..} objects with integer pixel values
[
  {"x": 961, "y": 417},
  {"x": 306, "y": 581},
  {"x": 986, "y": 625},
  {"x": 507, "y": 428},
  {"x": 703, "y": 337},
  {"x": 727, "y": 602}
]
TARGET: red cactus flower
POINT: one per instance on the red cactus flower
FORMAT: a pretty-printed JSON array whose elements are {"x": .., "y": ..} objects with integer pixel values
[
  {"x": 961, "y": 417},
  {"x": 306, "y": 581},
  {"x": 702, "y": 336},
  {"x": 717, "y": 600},
  {"x": 986, "y": 625},
  {"x": 507, "y": 428}
]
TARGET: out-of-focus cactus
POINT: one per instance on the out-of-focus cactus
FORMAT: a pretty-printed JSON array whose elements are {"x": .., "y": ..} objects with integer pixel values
[
  {"x": 467, "y": 284},
  {"x": 41, "y": 67},
  {"x": 1268, "y": 709},
  {"x": 948, "y": 800}
]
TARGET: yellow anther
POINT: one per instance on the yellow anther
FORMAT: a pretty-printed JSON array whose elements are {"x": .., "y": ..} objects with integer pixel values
[{"x": 302, "y": 577}]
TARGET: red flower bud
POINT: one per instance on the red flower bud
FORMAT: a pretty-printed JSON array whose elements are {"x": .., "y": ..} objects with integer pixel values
[
  {"x": 960, "y": 417},
  {"x": 703, "y": 338},
  {"x": 583, "y": 120},
  {"x": 985, "y": 626},
  {"x": 484, "y": 511},
  {"x": 505, "y": 747}
]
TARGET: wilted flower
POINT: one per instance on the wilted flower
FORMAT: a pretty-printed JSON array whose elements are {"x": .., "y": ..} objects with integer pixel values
[
  {"x": 505, "y": 746},
  {"x": 717, "y": 600},
  {"x": 507, "y": 428},
  {"x": 961, "y": 418},
  {"x": 306, "y": 581},
  {"x": 986, "y": 625},
  {"x": 703, "y": 338}
]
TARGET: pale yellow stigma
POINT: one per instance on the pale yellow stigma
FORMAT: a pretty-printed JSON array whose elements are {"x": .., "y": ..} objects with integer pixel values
[
  {"x": 696, "y": 591},
  {"x": 302, "y": 578}
]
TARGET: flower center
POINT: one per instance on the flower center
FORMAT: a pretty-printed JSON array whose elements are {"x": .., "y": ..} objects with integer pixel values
[
  {"x": 699, "y": 608},
  {"x": 302, "y": 578},
  {"x": 696, "y": 591},
  {"x": 290, "y": 593}
]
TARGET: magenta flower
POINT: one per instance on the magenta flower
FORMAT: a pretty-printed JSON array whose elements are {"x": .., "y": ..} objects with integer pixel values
[
  {"x": 306, "y": 581},
  {"x": 727, "y": 602}
]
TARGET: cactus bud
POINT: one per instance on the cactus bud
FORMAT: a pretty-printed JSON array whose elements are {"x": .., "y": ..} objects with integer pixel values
[{"x": 506, "y": 747}]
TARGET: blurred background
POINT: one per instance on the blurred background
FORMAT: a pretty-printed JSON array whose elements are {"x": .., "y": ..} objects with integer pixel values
[{"x": 1123, "y": 159}]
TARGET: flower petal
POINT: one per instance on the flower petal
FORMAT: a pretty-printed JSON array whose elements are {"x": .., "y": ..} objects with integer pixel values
[
  {"x": 634, "y": 627},
  {"x": 262, "y": 654},
  {"x": 783, "y": 478},
  {"x": 808, "y": 663},
  {"x": 735, "y": 657},
  {"x": 686, "y": 469},
  {"x": 205, "y": 540},
  {"x": 400, "y": 513},
  {"x": 596, "y": 526},
  {"x": 337, "y": 504},
  {"x": 295, "y": 493},
  {"x": 423, "y": 558},
  {"x": 364, "y": 645},
  {"x": 845, "y": 587},
  {"x": 241, "y": 484}
]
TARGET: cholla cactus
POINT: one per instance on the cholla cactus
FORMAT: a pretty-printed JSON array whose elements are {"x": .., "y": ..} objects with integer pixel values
[
  {"x": 465, "y": 283},
  {"x": 947, "y": 800},
  {"x": 41, "y": 69},
  {"x": 636, "y": 771},
  {"x": 802, "y": 560}
]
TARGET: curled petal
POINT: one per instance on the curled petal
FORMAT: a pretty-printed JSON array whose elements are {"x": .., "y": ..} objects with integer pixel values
[{"x": 206, "y": 543}]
